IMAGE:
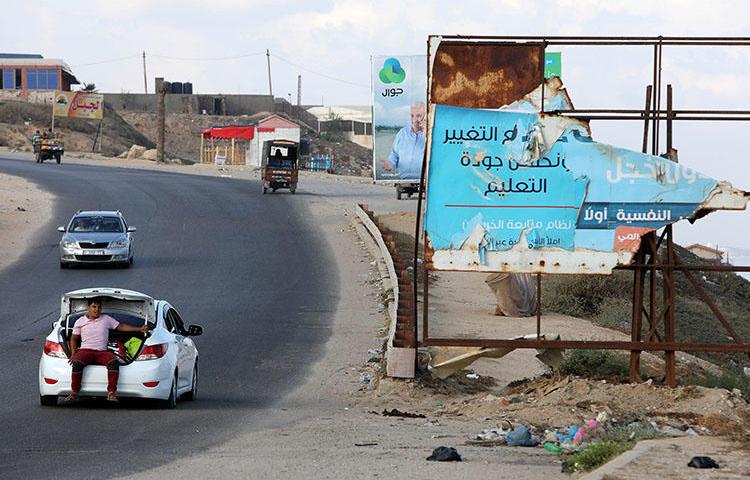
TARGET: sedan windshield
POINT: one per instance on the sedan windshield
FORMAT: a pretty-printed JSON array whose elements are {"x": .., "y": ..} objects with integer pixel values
[{"x": 96, "y": 224}]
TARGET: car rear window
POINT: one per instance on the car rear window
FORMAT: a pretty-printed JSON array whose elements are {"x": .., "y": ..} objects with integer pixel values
[{"x": 96, "y": 224}]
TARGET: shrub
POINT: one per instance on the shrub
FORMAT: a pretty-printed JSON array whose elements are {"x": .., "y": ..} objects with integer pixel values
[
  {"x": 596, "y": 363},
  {"x": 594, "y": 455}
]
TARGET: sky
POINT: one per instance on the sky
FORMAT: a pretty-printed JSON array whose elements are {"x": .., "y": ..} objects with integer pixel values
[{"x": 220, "y": 46}]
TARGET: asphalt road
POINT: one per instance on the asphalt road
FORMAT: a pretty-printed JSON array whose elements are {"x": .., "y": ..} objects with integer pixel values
[{"x": 250, "y": 268}]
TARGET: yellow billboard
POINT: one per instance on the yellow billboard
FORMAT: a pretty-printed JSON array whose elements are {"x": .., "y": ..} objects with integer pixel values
[{"x": 78, "y": 104}]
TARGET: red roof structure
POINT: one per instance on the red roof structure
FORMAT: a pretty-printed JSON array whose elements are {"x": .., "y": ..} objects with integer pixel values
[{"x": 240, "y": 133}]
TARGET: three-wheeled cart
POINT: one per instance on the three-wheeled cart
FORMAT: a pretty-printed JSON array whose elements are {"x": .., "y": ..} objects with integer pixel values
[{"x": 279, "y": 165}]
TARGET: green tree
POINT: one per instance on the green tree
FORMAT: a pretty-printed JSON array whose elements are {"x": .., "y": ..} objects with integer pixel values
[{"x": 89, "y": 87}]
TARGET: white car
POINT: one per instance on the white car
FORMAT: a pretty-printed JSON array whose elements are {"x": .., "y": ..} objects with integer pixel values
[{"x": 164, "y": 367}]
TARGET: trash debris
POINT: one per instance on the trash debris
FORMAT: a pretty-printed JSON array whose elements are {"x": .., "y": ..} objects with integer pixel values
[
  {"x": 567, "y": 438},
  {"x": 365, "y": 378},
  {"x": 521, "y": 437},
  {"x": 491, "y": 434},
  {"x": 444, "y": 454},
  {"x": 703, "y": 462},
  {"x": 472, "y": 376},
  {"x": 20, "y": 209},
  {"x": 551, "y": 447},
  {"x": 398, "y": 413}
]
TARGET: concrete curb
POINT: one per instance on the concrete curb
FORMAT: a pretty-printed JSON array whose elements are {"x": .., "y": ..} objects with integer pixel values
[
  {"x": 399, "y": 361},
  {"x": 619, "y": 462}
]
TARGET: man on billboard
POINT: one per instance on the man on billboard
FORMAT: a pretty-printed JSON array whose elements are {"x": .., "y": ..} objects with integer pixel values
[{"x": 408, "y": 146}]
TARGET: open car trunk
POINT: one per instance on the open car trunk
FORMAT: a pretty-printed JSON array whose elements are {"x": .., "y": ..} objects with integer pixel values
[{"x": 126, "y": 345}]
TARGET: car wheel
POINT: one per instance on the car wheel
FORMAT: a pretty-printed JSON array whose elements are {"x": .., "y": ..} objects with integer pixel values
[
  {"x": 63, "y": 265},
  {"x": 193, "y": 393},
  {"x": 57, "y": 158},
  {"x": 48, "y": 400},
  {"x": 171, "y": 402}
]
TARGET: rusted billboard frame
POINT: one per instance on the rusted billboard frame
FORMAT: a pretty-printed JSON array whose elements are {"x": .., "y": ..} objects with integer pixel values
[{"x": 646, "y": 260}]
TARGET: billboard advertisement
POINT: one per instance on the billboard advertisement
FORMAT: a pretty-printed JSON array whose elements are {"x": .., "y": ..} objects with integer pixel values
[
  {"x": 512, "y": 190},
  {"x": 78, "y": 104},
  {"x": 398, "y": 117}
]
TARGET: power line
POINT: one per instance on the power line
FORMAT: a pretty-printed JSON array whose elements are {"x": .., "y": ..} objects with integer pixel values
[
  {"x": 322, "y": 74},
  {"x": 111, "y": 60},
  {"x": 207, "y": 59}
]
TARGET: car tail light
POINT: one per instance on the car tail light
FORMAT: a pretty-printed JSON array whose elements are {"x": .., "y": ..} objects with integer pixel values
[
  {"x": 150, "y": 384},
  {"x": 54, "y": 349},
  {"x": 50, "y": 381},
  {"x": 152, "y": 352}
]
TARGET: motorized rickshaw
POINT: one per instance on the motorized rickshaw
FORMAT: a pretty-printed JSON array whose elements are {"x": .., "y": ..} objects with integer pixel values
[{"x": 279, "y": 165}]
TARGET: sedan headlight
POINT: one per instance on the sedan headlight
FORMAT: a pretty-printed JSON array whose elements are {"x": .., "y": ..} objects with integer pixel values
[
  {"x": 121, "y": 243},
  {"x": 69, "y": 244}
]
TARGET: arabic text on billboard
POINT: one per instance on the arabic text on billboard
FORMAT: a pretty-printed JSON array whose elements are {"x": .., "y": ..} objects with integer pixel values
[
  {"x": 511, "y": 190},
  {"x": 78, "y": 104},
  {"x": 399, "y": 87}
]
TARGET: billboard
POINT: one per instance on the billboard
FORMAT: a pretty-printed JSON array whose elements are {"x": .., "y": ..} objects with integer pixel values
[
  {"x": 513, "y": 190},
  {"x": 398, "y": 118},
  {"x": 78, "y": 104}
]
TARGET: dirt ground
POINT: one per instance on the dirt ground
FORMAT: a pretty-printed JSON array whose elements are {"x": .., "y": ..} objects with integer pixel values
[
  {"x": 333, "y": 427},
  {"x": 24, "y": 208}
]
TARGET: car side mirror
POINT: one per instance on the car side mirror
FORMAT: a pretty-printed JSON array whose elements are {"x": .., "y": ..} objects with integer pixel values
[
  {"x": 195, "y": 330},
  {"x": 131, "y": 229},
  {"x": 61, "y": 229}
]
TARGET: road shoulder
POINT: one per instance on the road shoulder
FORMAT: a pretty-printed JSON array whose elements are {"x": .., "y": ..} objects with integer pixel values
[{"x": 25, "y": 208}]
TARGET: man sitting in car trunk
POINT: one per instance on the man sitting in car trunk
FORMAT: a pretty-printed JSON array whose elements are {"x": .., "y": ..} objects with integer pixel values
[{"x": 91, "y": 332}]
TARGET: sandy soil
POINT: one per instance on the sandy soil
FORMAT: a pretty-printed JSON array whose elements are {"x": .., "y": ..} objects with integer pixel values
[{"x": 24, "y": 209}]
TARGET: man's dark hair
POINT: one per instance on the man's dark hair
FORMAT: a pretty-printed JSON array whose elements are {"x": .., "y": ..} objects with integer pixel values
[{"x": 95, "y": 300}]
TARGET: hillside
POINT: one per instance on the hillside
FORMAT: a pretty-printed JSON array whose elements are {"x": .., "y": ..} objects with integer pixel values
[
  {"x": 19, "y": 120},
  {"x": 121, "y": 130},
  {"x": 606, "y": 300}
]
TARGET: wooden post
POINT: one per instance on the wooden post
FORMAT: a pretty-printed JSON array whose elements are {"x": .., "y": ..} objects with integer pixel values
[
  {"x": 201, "y": 155},
  {"x": 160, "y": 126},
  {"x": 232, "y": 162}
]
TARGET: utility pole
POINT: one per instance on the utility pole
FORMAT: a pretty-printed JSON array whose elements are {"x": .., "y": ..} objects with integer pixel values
[
  {"x": 299, "y": 91},
  {"x": 268, "y": 58},
  {"x": 160, "y": 125},
  {"x": 145, "y": 83}
]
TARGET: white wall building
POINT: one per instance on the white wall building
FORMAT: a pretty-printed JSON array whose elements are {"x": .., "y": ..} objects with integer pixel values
[{"x": 273, "y": 127}]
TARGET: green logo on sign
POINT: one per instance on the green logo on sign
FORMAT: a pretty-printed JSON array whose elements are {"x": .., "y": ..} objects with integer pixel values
[
  {"x": 552, "y": 64},
  {"x": 392, "y": 72}
]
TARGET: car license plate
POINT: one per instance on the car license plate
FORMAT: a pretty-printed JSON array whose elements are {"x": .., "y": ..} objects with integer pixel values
[{"x": 93, "y": 252}]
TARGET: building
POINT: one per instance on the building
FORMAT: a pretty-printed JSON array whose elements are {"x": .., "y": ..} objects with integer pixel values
[
  {"x": 31, "y": 75},
  {"x": 243, "y": 144},
  {"x": 707, "y": 252},
  {"x": 273, "y": 127},
  {"x": 353, "y": 121}
]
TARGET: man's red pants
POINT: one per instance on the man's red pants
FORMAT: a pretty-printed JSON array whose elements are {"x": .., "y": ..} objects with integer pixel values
[{"x": 85, "y": 357}]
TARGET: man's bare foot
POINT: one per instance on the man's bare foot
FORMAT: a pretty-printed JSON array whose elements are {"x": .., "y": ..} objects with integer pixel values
[
  {"x": 73, "y": 397},
  {"x": 111, "y": 397}
]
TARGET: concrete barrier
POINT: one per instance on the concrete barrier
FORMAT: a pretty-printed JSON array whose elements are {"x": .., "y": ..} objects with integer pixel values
[{"x": 399, "y": 361}]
